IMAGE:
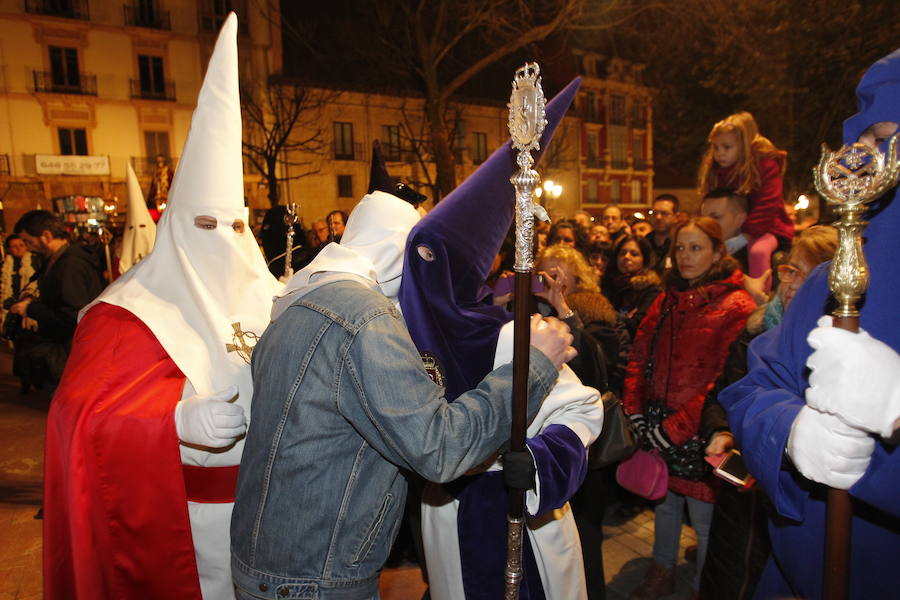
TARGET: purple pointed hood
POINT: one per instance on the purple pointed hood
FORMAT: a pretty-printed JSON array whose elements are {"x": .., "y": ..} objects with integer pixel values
[{"x": 449, "y": 255}]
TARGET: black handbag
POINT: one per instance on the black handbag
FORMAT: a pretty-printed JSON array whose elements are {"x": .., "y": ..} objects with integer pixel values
[
  {"x": 616, "y": 441},
  {"x": 687, "y": 460}
]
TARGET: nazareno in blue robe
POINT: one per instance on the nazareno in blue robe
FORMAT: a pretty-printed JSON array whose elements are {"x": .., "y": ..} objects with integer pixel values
[{"x": 762, "y": 406}]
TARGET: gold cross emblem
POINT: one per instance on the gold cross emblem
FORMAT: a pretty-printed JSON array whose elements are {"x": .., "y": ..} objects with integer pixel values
[{"x": 240, "y": 339}]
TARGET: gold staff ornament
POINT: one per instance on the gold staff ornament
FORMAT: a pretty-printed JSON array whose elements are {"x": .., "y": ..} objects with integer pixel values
[{"x": 849, "y": 179}]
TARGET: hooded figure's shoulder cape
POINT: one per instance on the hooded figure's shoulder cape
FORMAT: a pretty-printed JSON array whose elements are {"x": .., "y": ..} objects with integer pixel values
[{"x": 116, "y": 520}]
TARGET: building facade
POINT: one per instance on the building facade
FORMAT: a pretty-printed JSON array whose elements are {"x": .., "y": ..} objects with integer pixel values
[
  {"x": 616, "y": 114},
  {"x": 87, "y": 86}
]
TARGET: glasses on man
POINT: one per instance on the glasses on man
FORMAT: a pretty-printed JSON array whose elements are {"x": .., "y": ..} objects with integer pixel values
[
  {"x": 788, "y": 273},
  {"x": 661, "y": 213},
  {"x": 565, "y": 240}
]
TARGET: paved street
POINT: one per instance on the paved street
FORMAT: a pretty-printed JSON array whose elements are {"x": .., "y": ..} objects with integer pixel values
[{"x": 626, "y": 547}]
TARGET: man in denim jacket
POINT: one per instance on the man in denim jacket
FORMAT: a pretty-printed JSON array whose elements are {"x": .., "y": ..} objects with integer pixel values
[{"x": 342, "y": 404}]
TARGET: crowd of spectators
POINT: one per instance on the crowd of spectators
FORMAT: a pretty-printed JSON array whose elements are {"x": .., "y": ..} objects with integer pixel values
[{"x": 655, "y": 305}]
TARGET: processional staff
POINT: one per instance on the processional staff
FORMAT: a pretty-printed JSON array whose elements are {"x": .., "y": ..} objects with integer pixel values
[
  {"x": 290, "y": 219},
  {"x": 106, "y": 237},
  {"x": 849, "y": 179},
  {"x": 526, "y": 123}
]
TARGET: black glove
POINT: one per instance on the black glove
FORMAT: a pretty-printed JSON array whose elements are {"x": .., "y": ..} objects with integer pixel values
[{"x": 518, "y": 470}]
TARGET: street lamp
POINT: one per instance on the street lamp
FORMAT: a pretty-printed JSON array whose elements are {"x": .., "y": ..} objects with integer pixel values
[{"x": 553, "y": 190}]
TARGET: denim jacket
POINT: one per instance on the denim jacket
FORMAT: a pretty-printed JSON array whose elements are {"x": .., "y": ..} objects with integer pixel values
[{"x": 341, "y": 404}]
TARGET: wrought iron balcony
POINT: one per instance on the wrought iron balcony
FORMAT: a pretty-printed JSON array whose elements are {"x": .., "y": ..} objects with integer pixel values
[
  {"x": 594, "y": 162},
  {"x": 148, "y": 91},
  {"x": 84, "y": 84},
  {"x": 69, "y": 9},
  {"x": 146, "y": 16}
]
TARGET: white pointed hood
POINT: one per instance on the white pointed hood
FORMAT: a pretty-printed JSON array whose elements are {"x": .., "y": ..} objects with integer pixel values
[
  {"x": 371, "y": 247},
  {"x": 140, "y": 230},
  {"x": 197, "y": 283}
]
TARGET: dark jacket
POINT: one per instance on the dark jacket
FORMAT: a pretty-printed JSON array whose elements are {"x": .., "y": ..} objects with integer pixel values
[
  {"x": 632, "y": 295},
  {"x": 66, "y": 285}
]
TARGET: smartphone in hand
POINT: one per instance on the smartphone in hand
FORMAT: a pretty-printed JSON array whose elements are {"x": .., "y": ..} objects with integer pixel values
[{"x": 730, "y": 467}]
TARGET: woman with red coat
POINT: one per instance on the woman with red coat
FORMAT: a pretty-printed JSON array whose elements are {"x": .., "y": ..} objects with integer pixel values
[{"x": 678, "y": 352}]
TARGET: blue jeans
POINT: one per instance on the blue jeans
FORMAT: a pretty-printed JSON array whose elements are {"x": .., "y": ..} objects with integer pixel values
[
  {"x": 240, "y": 594},
  {"x": 667, "y": 530}
]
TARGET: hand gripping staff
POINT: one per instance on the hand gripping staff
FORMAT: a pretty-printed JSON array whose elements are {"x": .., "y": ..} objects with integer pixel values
[
  {"x": 526, "y": 123},
  {"x": 849, "y": 179}
]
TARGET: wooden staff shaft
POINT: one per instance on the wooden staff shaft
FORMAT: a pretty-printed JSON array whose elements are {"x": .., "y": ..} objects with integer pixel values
[
  {"x": 838, "y": 519},
  {"x": 516, "y": 514},
  {"x": 521, "y": 345}
]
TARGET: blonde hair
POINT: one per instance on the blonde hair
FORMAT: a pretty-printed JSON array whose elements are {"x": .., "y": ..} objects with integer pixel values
[
  {"x": 584, "y": 274},
  {"x": 754, "y": 146},
  {"x": 816, "y": 244}
]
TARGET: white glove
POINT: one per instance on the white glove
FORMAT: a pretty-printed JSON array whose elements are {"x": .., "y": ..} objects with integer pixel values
[
  {"x": 855, "y": 377},
  {"x": 213, "y": 421},
  {"x": 827, "y": 450}
]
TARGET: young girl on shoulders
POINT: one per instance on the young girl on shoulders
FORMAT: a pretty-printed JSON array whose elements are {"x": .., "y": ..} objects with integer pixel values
[{"x": 740, "y": 158}]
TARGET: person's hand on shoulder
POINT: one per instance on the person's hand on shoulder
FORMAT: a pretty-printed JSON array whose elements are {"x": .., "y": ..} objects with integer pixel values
[
  {"x": 855, "y": 377},
  {"x": 552, "y": 337}
]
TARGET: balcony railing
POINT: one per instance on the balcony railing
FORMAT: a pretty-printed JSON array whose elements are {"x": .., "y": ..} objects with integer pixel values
[
  {"x": 145, "y": 166},
  {"x": 593, "y": 162},
  {"x": 83, "y": 85},
  {"x": 149, "y": 17},
  {"x": 347, "y": 151},
  {"x": 69, "y": 9},
  {"x": 141, "y": 90}
]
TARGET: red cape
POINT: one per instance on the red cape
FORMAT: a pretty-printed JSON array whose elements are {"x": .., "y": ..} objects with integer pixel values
[{"x": 115, "y": 511}]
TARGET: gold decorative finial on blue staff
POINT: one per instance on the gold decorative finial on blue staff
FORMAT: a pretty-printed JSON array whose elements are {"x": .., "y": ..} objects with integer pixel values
[
  {"x": 849, "y": 179},
  {"x": 526, "y": 124}
]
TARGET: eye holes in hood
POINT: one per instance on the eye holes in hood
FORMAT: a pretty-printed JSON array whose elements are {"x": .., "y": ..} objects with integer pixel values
[{"x": 425, "y": 252}]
